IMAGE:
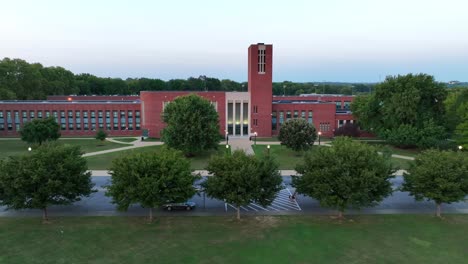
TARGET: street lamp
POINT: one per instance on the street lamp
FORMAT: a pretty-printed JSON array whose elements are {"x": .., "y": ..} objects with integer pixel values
[
  {"x": 460, "y": 148},
  {"x": 29, "y": 149},
  {"x": 319, "y": 134},
  {"x": 227, "y": 149},
  {"x": 255, "y": 138},
  {"x": 268, "y": 149},
  {"x": 227, "y": 138}
]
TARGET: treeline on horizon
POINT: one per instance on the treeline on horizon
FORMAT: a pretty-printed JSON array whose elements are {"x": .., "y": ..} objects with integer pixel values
[{"x": 20, "y": 80}]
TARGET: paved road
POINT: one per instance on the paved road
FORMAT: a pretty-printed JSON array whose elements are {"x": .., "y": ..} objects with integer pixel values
[{"x": 100, "y": 205}]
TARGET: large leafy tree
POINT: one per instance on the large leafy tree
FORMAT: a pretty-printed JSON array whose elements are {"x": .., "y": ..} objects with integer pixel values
[
  {"x": 40, "y": 130},
  {"x": 346, "y": 175},
  {"x": 52, "y": 174},
  {"x": 297, "y": 134},
  {"x": 151, "y": 179},
  {"x": 457, "y": 115},
  {"x": 240, "y": 179},
  {"x": 401, "y": 108},
  {"x": 101, "y": 135},
  {"x": 192, "y": 125},
  {"x": 440, "y": 176}
]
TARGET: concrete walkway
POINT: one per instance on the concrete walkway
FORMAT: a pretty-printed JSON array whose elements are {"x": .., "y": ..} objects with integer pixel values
[
  {"x": 241, "y": 143},
  {"x": 135, "y": 144}
]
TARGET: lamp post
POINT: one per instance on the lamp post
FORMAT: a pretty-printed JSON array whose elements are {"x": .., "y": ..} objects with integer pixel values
[
  {"x": 227, "y": 137},
  {"x": 29, "y": 149},
  {"x": 255, "y": 138},
  {"x": 227, "y": 149},
  {"x": 268, "y": 150},
  {"x": 319, "y": 134},
  {"x": 460, "y": 148}
]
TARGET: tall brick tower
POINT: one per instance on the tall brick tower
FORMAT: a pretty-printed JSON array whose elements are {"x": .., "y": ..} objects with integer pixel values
[{"x": 260, "y": 77}]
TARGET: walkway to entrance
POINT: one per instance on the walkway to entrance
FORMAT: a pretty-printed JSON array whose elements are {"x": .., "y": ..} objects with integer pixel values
[{"x": 242, "y": 143}]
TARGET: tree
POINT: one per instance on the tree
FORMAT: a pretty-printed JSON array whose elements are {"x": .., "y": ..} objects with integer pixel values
[
  {"x": 348, "y": 130},
  {"x": 52, "y": 174},
  {"x": 101, "y": 135},
  {"x": 440, "y": 176},
  {"x": 151, "y": 179},
  {"x": 346, "y": 175},
  {"x": 240, "y": 179},
  {"x": 192, "y": 125},
  {"x": 40, "y": 130},
  {"x": 402, "y": 105},
  {"x": 297, "y": 134}
]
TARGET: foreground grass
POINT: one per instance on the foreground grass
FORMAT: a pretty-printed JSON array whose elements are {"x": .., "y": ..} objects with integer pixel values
[
  {"x": 15, "y": 147},
  {"x": 262, "y": 239},
  {"x": 104, "y": 161}
]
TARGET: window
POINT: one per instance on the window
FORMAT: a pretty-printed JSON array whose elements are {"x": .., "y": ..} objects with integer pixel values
[
  {"x": 281, "y": 117},
  {"x": 47, "y": 114},
  {"x": 1, "y": 114},
  {"x": 310, "y": 117},
  {"x": 115, "y": 114},
  {"x": 296, "y": 114},
  {"x": 347, "y": 104},
  {"x": 288, "y": 115},
  {"x": 123, "y": 121},
  {"x": 85, "y": 126},
  {"x": 39, "y": 114},
  {"x": 70, "y": 120},
  {"x": 108, "y": 121},
  {"x": 77, "y": 114},
  {"x": 25, "y": 116},
  {"x": 261, "y": 59},
  {"x": 17, "y": 119},
  {"x": 17, "y": 127},
  {"x": 338, "y": 105},
  {"x": 2, "y": 121},
  {"x": 62, "y": 119},
  {"x": 273, "y": 121},
  {"x": 31, "y": 114},
  {"x": 100, "y": 119}
]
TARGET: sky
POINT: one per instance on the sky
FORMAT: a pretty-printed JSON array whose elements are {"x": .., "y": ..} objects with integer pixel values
[{"x": 326, "y": 40}]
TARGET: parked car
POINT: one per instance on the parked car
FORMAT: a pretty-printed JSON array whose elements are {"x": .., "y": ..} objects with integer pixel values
[{"x": 180, "y": 206}]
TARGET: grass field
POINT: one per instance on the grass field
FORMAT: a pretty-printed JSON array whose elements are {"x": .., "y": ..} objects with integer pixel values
[
  {"x": 263, "y": 239},
  {"x": 17, "y": 147},
  {"x": 104, "y": 161},
  {"x": 288, "y": 158}
]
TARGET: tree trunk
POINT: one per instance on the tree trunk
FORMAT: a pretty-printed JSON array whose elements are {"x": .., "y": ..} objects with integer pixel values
[
  {"x": 44, "y": 215},
  {"x": 151, "y": 214},
  {"x": 238, "y": 212},
  {"x": 340, "y": 214},
  {"x": 438, "y": 210}
]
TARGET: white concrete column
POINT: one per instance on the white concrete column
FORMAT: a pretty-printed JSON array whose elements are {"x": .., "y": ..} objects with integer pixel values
[
  {"x": 233, "y": 117},
  {"x": 241, "y": 121}
]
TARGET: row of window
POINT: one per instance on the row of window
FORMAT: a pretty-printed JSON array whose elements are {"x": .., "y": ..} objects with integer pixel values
[
  {"x": 340, "y": 105},
  {"x": 76, "y": 120},
  {"x": 295, "y": 114}
]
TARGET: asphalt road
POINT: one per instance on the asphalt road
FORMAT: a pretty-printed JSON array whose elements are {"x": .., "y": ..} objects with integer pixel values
[{"x": 100, "y": 205}]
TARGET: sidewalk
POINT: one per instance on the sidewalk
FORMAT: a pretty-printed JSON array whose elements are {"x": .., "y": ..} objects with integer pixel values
[{"x": 97, "y": 173}]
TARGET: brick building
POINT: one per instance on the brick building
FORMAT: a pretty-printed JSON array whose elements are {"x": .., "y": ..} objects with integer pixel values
[{"x": 256, "y": 111}]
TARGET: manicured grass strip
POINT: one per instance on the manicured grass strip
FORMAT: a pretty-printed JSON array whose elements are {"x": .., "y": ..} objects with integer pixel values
[
  {"x": 18, "y": 147},
  {"x": 125, "y": 139},
  {"x": 104, "y": 161},
  {"x": 286, "y": 157},
  {"x": 262, "y": 239}
]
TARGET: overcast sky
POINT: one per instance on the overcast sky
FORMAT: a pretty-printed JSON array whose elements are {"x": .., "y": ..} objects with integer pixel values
[{"x": 326, "y": 40}]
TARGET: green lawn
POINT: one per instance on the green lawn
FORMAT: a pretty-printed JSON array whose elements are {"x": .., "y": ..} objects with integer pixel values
[
  {"x": 405, "y": 152},
  {"x": 17, "y": 147},
  {"x": 104, "y": 161},
  {"x": 288, "y": 158},
  {"x": 263, "y": 239},
  {"x": 125, "y": 139}
]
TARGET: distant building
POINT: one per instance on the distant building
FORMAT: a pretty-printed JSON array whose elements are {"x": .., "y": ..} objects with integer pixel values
[{"x": 240, "y": 113}]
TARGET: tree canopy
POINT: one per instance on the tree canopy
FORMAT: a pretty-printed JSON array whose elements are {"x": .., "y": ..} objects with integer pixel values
[
  {"x": 151, "y": 179},
  {"x": 52, "y": 174},
  {"x": 405, "y": 109},
  {"x": 240, "y": 179},
  {"x": 101, "y": 135},
  {"x": 38, "y": 131},
  {"x": 192, "y": 125},
  {"x": 440, "y": 176},
  {"x": 346, "y": 175},
  {"x": 456, "y": 118},
  {"x": 297, "y": 134}
]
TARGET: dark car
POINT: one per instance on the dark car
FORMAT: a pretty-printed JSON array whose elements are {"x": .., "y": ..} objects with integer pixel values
[{"x": 180, "y": 206}]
